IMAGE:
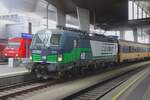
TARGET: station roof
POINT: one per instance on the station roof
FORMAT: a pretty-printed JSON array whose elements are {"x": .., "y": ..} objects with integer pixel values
[
  {"x": 107, "y": 12},
  {"x": 145, "y": 4}
]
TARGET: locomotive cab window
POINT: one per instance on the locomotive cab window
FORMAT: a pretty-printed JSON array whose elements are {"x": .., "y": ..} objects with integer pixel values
[
  {"x": 40, "y": 39},
  {"x": 44, "y": 39}
]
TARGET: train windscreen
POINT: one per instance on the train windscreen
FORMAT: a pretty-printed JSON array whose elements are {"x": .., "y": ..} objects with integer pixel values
[
  {"x": 13, "y": 45},
  {"x": 45, "y": 39}
]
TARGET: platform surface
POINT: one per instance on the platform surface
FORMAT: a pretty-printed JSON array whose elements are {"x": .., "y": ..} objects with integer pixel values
[
  {"x": 62, "y": 90},
  {"x": 135, "y": 88},
  {"x": 6, "y": 71},
  {"x": 142, "y": 90}
]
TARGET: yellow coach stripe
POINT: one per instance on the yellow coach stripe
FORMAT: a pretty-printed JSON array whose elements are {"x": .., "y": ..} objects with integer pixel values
[{"x": 124, "y": 89}]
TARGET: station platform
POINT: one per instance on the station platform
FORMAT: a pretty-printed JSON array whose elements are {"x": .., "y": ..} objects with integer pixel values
[
  {"x": 71, "y": 87},
  {"x": 3, "y": 63},
  {"x": 135, "y": 88},
  {"x": 6, "y": 71}
]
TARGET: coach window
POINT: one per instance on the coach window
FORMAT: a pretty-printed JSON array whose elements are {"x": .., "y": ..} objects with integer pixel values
[
  {"x": 129, "y": 48},
  {"x": 141, "y": 49},
  {"x": 135, "y": 49},
  {"x": 138, "y": 49},
  {"x": 144, "y": 49},
  {"x": 126, "y": 49},
  {"x": 123, "y": 48}
]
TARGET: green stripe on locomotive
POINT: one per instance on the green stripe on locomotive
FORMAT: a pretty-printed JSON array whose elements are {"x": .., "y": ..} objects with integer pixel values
[
  {"x": 67, "y": 57},
  {"x": 36, "y": 57},
  {"x": 73, "y": 56},
  {"x": 52, "y": 58}
]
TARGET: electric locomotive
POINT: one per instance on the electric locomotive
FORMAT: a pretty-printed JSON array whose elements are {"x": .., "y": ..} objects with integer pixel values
[{"x": 56, "y": 52}]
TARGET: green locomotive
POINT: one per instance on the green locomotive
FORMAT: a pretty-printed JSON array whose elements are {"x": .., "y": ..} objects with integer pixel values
[{"x": 56, "y": 52}]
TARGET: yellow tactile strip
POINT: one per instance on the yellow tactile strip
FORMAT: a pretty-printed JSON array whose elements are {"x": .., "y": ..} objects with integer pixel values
[
  {"x": 139, "y": 77},
  {"x": 121, "y": 92}
]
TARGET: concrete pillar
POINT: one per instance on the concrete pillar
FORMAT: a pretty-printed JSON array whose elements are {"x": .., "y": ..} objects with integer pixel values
[
  {"x": 83, "y": 18},
  {"x": 61, "y": 17},
  {"x": 11, "y": 62},
  {"x": 122, "y": 35},
  {"x": 135, "y": 34},
  {"x": 14, "y": 62}
]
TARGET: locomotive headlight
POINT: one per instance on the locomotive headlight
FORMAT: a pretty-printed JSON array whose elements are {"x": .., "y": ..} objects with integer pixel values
[
  {"x": 60, "y": 58},
  {"x": 5, "y": 54},
  {"x": 82, "y": 56},
  {"x": 30, "y": 57},
  {"x": 12, "y": 48}
]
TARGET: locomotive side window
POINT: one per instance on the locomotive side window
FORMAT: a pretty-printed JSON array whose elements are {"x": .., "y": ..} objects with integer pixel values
[
  {"x": 75, "y": 43},
  {"x": 126, "y": 49},
  {"x": 55, "y": 39}
]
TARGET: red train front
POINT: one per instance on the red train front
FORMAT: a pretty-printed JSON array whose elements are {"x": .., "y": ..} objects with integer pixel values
[{"x": 16, "y": 48}]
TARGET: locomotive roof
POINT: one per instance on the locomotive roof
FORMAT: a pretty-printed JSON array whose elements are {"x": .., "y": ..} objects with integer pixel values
[{"x": 79, "y": 34}]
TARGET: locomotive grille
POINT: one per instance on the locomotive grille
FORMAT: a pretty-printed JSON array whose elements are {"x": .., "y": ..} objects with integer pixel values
[
  {"x": 36, "y": 57},
  {"x": 52, "y": 58}
]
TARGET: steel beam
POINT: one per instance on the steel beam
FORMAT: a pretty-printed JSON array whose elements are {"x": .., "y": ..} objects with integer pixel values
[
  {"x": 122, "y": 35},
  {"x": 135, "y": 34},
  {"x": 61, "y": 17}
]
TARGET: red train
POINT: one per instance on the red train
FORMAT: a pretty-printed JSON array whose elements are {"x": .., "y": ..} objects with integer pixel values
[
  {"x": 16, "y": 48},
  {"x": 3, "y": 43}
]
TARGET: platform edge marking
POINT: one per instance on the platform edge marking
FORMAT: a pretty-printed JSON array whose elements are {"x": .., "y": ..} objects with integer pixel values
[{"x": 125, "y": 89}]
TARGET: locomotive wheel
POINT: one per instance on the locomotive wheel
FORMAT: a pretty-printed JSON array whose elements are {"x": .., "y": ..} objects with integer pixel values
[
  {"x": 63, "y": 74},
  {"x": 41, "y": 71},
  {"x": 37, "y": 71},
  {"x": 44, "y": 74}
]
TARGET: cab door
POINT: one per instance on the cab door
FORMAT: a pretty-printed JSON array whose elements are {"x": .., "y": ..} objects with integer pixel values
[{"x": 76, "y": 50}]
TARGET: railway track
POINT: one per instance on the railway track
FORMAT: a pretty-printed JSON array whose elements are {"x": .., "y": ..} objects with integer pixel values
[
  {"x": 97, "y": 91},
  {"x": 8, "y": 87},
  {"x": 10, "y": 93},
  {"x": 22, "y": 90}
]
